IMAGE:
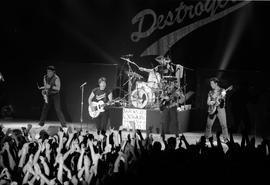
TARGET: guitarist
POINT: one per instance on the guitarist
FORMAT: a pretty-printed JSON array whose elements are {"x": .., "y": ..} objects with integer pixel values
[
  {"x": 101, "y": 93},
  {"x": 217, "y": 94},
  {"x": 52, "y": 86}
]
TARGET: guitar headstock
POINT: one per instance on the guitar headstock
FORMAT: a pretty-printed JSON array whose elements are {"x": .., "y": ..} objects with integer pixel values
[{"x": 229, "y": 88}]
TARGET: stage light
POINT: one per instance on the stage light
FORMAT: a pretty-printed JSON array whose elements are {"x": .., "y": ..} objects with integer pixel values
[{"x": 239, "y": 26}]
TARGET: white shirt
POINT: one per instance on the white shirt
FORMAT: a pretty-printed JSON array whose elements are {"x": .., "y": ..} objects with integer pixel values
[{"x": 154, "y": 79}]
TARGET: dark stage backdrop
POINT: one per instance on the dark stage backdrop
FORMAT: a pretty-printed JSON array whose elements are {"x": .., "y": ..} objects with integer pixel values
[
  {"x": 196, "y": 33},
  {"x": 20, "y": 87}
]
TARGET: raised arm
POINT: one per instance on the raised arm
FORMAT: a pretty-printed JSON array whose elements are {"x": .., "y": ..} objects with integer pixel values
[
  {"x": 10, "y": 158},
  {"x": 146, "y": 70}
]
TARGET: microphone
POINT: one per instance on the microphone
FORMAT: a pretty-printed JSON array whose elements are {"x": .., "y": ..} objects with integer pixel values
[
  {"x": 83, "y": 84},
  {"x": 128, "y": 55}
]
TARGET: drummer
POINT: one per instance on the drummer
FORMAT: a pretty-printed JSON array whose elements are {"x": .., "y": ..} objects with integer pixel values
[
  {"x": 163, "y": 69},
  {"x": 154, "y": 77}
]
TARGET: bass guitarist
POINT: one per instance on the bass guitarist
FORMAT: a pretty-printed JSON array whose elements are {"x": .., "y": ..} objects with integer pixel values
[
  {"x": 99, "y": 94},
  {"x": 216, "y": 99}
]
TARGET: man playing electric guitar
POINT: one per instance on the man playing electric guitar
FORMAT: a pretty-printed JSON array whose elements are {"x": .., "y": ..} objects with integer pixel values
[
  {"x": 216, "y": 103},
  {"x": 97, "y": 97}
]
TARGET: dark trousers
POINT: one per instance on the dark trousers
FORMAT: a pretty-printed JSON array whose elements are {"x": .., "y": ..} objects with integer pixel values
[
  {"x": 102, "y": 121},
  {"x": 52, "y": 99},
  {"x": 169, "y": 121}
]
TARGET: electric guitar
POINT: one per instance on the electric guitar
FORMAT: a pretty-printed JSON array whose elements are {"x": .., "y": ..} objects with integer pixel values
[
  {"x": 218, "y": 101},
  {"x": 97, "y": 107},
  {"x": 44, "y": 93}
]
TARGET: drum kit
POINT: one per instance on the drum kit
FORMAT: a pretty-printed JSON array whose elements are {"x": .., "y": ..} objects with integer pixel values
[{"x": 148, "y": 94}]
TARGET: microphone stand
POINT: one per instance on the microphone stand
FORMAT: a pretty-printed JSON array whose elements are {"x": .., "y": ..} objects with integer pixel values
[{"x": 81, "y": 117}]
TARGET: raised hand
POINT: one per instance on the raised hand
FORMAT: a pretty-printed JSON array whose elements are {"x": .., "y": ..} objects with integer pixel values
[
  {"x": 5, "y": 147},
  {"x": 121, "y": 128},
  {"x": 60, "y": 134},
  {"x": 182, "y": 137}
]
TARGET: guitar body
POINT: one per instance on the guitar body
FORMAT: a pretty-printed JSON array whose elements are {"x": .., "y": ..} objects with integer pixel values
[
  {"x": 220, "y": 101},
  {"x": 45, "y": 95},
  {"x": 96, "y": 108},
  {"x": 212, "y": 109}
]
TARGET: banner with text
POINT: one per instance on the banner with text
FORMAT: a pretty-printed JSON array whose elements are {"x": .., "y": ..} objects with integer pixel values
[{"x": 134, "y": 115}]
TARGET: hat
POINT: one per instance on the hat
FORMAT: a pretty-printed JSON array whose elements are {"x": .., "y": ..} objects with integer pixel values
[{"x": 52, "y": 68}]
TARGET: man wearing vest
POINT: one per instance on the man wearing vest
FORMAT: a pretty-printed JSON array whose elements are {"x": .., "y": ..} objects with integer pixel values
[{"x": 52, "y": 85}]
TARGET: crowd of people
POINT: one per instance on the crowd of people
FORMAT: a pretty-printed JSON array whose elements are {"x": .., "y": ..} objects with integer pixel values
[{"x": 84, "y": 157}]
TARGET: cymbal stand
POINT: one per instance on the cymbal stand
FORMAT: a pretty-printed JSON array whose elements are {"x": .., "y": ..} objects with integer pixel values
[
  {"x": 130, "y": 77},
  {"x": 184, "y": 88}
]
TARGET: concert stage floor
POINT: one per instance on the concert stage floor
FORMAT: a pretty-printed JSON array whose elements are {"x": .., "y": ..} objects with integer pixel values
[{"x": 52, "y": 127}]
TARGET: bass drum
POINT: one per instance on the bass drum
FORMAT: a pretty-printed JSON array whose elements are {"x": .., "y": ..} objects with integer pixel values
[
  {"x": 142, "y": 98},
  {"x": 139, "y": 98}
]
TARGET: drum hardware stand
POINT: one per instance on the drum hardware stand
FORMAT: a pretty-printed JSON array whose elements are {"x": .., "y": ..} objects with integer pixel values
[
  {"x": 184, "y": 89},
  {"x": 81, "y": 117},
  {"x": 185, "y": 83},
  {"x": 129, "y": 90},
  {"x": 130, "y": 77}
]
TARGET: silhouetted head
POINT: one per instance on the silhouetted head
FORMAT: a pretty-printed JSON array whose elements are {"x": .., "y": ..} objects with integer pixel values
[
  {"x": 172, "y": 143},
  {"x": 157, "y": 146}
]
